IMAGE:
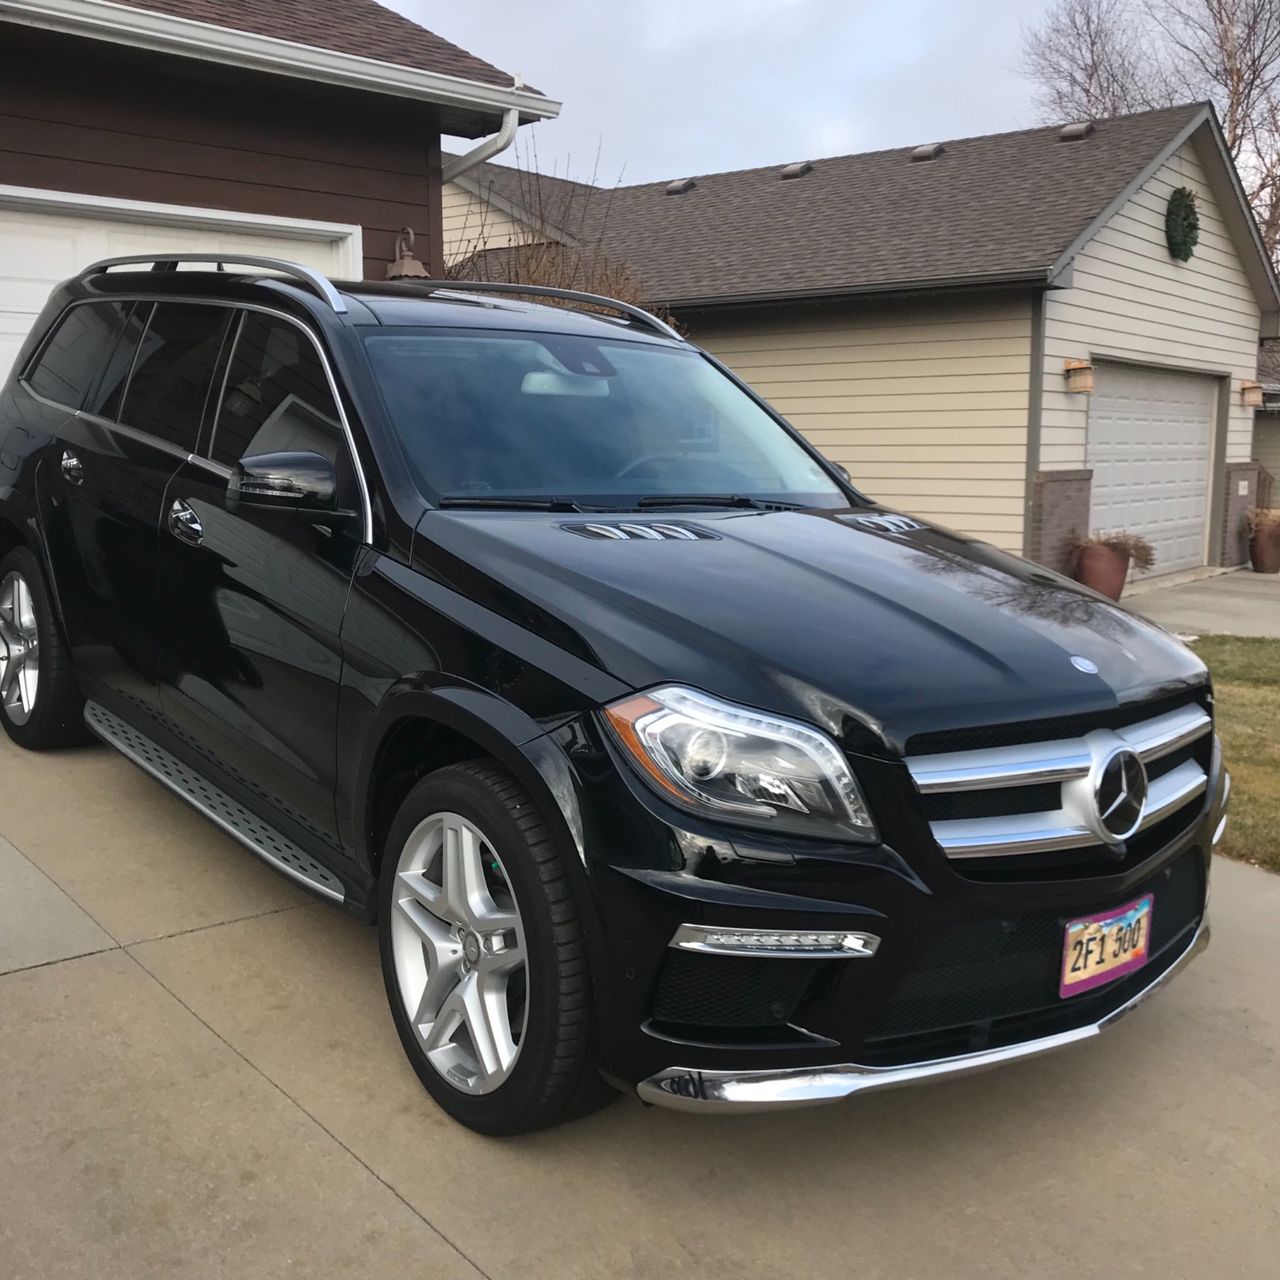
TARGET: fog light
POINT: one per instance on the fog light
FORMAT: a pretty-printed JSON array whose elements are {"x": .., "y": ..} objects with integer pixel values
[{"x": 775, "y": 942}]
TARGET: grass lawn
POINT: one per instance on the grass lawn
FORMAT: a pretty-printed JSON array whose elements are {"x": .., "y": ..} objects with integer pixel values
[{"x": 1246, "y": 680}]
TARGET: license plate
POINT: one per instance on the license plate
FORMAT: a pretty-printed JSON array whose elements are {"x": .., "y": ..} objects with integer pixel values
[{"x": 1099, "y": 949}]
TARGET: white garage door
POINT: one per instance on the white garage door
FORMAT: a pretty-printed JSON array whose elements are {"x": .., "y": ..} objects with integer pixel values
[
  {"x": 1150, "y": 435},
  {"x": 38, "y": 249}
]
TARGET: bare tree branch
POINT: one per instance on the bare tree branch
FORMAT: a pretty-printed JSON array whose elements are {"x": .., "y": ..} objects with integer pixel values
[{"x": 1096, "y": 58}]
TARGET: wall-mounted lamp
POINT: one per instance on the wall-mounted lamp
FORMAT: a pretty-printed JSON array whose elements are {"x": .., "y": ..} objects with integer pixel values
[
  {"x": 1251, "y": 395},
  {"x": 406, "y": 266},
  {"x": 1079, "y": 375}
]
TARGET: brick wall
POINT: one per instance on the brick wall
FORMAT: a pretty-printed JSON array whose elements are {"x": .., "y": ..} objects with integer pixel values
[
  {"x": 1059, "y": 508},
  {"x": 1231, "y": 545}
]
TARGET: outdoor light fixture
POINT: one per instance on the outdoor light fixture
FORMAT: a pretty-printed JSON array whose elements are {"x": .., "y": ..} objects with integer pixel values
[
  {"x": 1079, "y": 375},
  {"x": 1251, "y": 395},
  {"x": 407, "y": 265},
  {"x": 828, "y": 943}
]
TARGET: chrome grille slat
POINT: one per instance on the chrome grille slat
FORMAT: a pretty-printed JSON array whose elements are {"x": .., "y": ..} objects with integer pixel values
[{"x": 1061, "y": 760}]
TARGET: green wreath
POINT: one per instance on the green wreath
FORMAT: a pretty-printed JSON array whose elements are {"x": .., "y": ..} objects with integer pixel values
[{"x": 1182, "y": 224}]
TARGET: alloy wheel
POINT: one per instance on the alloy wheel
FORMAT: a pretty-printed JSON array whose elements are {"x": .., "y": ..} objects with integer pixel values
[
  {"x": 459, "y": 948},
  {"x": 19, "y": 649}
]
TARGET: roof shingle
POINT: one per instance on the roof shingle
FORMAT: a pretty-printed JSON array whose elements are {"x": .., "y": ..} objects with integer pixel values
[
  {"x": 1005, "y": 205},
  {"x": 361, "y": 27}
]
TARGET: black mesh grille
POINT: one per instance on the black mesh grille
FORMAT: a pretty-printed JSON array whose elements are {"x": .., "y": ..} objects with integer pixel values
[
  {"x": 730, "y": 991},
  {"x": 942, "y": 806},
  {"x": 1008, "y": 735},
  {"x": 980, "y": 982}
]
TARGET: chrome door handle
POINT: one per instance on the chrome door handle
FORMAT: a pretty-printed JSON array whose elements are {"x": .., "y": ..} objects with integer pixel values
[
  {"x": 185, "y": 525},
  {"x": 72, "y": 467}
]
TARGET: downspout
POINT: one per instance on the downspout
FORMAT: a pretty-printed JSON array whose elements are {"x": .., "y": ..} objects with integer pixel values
[{"x": 489, "y": 147}]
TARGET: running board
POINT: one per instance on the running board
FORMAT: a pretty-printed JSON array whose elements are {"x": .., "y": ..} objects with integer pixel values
[{"x": 214, "y": 803}]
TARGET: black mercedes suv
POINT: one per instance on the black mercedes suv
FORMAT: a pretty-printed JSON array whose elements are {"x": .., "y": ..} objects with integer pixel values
[{"x": 662, "y": 757}]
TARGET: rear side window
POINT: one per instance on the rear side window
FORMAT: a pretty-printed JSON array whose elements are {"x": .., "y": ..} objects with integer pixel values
[
  {"x": 277, "y": 397},
  {"x": 107, "y": 393},
  {"x": 71, "y": 362},
  {"x": 174, "y": 371}
]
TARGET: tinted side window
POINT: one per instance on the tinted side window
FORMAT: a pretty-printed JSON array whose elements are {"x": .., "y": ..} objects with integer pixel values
[
  {"x": 73, "y": 357},
  {"x": 174, "y": 371},
  {"x": 105, "y": 397},
  {"x": 277, "y": 396}
]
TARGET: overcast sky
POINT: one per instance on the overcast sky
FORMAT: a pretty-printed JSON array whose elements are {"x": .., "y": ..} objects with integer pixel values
[{"x": 665, "y": 88}]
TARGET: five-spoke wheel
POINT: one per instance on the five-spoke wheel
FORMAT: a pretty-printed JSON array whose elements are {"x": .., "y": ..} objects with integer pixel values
[
  {"x": 483, "y": 954},
  {"x": 19, "y": 649},
  {"x": 460, "y": 952}
]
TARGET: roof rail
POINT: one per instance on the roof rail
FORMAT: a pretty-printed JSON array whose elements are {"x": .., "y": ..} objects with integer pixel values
[
  {"x": 646, "y": 318},
  {"x": 169, "y": 262}
]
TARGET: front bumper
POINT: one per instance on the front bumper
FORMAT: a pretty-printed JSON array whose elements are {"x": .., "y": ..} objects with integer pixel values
[{"x": 685, "y": 1089}]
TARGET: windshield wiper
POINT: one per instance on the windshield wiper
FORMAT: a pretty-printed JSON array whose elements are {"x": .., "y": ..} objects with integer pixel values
[
  {"x": 713, "y": 500},
  {"x": 497, "y": 503}
]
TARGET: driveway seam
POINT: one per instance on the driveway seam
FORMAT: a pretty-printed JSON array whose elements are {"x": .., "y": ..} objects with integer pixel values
[{"x": 253, "y": 1066}]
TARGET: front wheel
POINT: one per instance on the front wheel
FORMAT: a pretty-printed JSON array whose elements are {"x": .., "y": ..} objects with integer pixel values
[
  {"x": 40, "y": 703},
  {"x": 483, "y": 955}
]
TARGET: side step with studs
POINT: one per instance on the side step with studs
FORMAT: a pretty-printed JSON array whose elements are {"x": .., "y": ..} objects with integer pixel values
[{"x": 258, "y": 836}]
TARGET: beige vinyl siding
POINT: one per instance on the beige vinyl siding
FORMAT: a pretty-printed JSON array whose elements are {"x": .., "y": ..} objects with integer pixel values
[
  {"x": 924, "y": 402},
  {"x": 1131, "y": 300},
  {"x": 471, "y": 224}
]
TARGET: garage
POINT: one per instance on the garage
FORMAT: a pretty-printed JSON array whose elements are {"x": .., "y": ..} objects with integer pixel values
[
  {"x": 45, "y": 238},
  {"x": 1150, "y": 449}
]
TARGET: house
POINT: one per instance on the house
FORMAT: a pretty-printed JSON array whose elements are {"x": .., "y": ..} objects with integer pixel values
[
  {"x": 1266, "y": 426},
  {"x": 307, "y": 129},
  {"x": 998, "y": 333}
]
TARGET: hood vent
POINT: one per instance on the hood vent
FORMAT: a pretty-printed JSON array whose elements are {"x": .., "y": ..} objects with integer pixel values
[
  {"x": 680, "y": 186},
  {"x": 629, "y": 532},
  {"x": 797, "y": 170},
  {"x": 930, "y": 151},
  {"x": 888, "y": 524}
]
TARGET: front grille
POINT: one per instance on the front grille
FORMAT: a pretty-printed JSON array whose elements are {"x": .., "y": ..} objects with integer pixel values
[
  {"x": 983, "y": 983},
  {"x": 730, "y": 991},
  {"x": 1020, "y": 808}
]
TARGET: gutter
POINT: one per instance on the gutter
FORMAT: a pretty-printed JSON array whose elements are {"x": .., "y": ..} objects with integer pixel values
[
  {"x": 163, "y": 33},
  {"x": 1035, "y": 278},
  {"x": 500, "y": 141}
]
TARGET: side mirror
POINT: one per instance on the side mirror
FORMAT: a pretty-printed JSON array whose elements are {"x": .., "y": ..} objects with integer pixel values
[{"x": 302, "y": 482}]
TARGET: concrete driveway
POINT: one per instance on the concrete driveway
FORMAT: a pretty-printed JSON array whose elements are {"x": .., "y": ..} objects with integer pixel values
[
  {"x": 1230, "y": 604},
  {"x": 199, "y": 1077}
]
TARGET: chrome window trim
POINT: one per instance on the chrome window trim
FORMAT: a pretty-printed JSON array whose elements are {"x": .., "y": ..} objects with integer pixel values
[{"x": 366, "y": 502}]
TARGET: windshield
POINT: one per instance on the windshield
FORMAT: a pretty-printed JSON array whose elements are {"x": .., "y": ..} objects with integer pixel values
[{"x": 486, "y": 415}]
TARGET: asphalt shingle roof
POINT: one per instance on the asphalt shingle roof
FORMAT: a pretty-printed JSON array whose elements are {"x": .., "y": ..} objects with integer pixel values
[
  {"x": 361, "y": 27},
  {"x": 1003, "y": 205}
]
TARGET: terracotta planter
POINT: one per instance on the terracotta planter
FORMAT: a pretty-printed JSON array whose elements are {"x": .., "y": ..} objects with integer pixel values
[
  {"x": 1264, "y": 551},
  {"x": 1103, "y": 568}
]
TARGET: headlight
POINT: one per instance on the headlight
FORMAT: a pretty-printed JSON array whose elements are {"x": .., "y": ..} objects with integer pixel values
[{"x": 729, "y": 762}]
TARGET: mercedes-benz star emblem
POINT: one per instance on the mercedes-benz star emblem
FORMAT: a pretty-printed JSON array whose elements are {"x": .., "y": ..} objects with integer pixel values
[
  {"x": 1083, "y": 664},
  {"x": 1120, "y": 794}
]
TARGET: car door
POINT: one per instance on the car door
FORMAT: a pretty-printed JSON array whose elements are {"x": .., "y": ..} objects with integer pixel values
[
  {"x": 103, "y": 480},
  {"x": 253, "y": 598}
]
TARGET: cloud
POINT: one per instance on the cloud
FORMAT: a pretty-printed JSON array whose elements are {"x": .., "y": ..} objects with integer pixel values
[{"x": 671, "y": 87}]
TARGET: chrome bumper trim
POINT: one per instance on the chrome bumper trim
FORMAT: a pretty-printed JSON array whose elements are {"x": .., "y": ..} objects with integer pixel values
[{"x": 686, "y": 1089}]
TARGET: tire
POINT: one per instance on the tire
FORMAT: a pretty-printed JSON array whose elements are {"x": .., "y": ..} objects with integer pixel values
[
  {"x": 489, "y": 982},
  {"x": 40, "y": 704}
]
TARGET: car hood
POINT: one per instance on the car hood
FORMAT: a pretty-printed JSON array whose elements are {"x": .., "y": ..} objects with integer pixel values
[{"x": 874, "y": 625}]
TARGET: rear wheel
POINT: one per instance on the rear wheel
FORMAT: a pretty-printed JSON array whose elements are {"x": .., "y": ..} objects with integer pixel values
[
  {"x": 483, "y": 956},
  {"x": 40, "y": 705}
]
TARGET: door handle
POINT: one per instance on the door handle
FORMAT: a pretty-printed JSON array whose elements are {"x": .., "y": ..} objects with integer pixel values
[
  {"x": 72, "y": 467},
  {"x": 185, "y": 525}
]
